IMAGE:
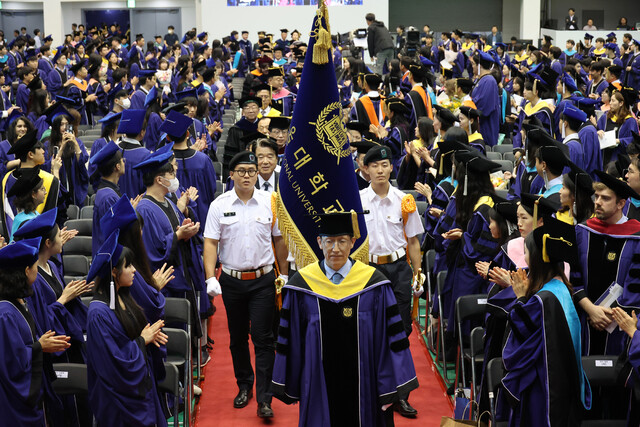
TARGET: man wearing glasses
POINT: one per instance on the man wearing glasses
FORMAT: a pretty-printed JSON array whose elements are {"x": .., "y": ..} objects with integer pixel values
[
  {"x": 239, "y": 230},
  {"x": 279, "y": 131}
]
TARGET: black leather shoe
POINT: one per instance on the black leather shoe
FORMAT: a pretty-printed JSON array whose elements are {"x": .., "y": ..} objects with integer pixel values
[
  {"x": 406, "y": 410},
  {"x": 264, "y": 410},
  {"x": 242, "y": 399}
]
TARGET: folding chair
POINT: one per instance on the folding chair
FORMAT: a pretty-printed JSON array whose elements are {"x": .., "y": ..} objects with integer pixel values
[
  {"x": 71, "y": 378},
  {"x": 495, "y": 373},
  {"x": 492, "y": 155},
  {"x": 428, "y": 262},
  {"x": 505, "y": 165},
  {"x": 422, "y": 206},
  {"x": 503, "y": 148},
  {"x": 87, "y": 212},
  {"x": 86, "y": 300},
  {"x": 79, "y": 245},
  {"x": 171, "y": 384},
  {"x": 601, "y": 372},
  {"x": 509, "y": 156},
  {"x": 468, "y": 308},
  {"x": 75, "y": 265},
  {"x": 73, "y": 212},
  {"x": 84, "y": 226},
  {"x": 476, "y": 356},
  {"x": 440, "y": 279},
  {"x": 179, "y": 355},
  {"x": 414, "y": 193}
]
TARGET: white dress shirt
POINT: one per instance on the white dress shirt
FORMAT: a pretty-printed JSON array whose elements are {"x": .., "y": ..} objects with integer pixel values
[
  {"x": 384, "y": 221},
  {"x": 244, "y": 232},
  {"x": 271, "y": 181}
]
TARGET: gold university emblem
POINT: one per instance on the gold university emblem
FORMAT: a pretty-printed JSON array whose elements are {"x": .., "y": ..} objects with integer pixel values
[
  {"x": 331, "y": 132},
  {"x": 611, "y": 256},
  {"x": 347, "y": 311}
]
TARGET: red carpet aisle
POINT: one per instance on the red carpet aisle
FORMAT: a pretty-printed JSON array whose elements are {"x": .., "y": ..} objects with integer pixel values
[{"x": 219, "y": 388}]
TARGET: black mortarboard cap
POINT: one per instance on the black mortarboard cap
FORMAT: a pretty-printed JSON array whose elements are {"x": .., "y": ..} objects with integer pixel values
[
  {"x": 445, "y": 115},
  {"x": 279, "y": 122},
  {"x": 339, "y": 224},
  {"x": 25, "y": 144},
  {"x": 556, "y": 240},
  {"x": 618, "y": 186},
  {"x": 538, "y": 206},
  {"x": 28, "y": 180}
]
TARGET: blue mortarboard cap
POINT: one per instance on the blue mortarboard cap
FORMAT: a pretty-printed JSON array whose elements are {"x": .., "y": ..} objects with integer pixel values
[
  {"x": 574, "y": 113},
  {"x": 156, "y": 160},
  {"x": 584, "y": 101},
  {"x": 611, "y": 34},
  {"x": 67, "y": 101},
  {"x": 151, "y": 96},
  {"x": 111, "y": 52},
  {"x": 47, "y": 38},
  {"x": 187, "y": 93},
  {"x": 569, "y": 82},
  {"x": 588, "y": 36},
  {"x": 10, "y": 44},
  {"x": 110, "y": 118},
  {"x": 636, "y": 41},
  {"x": 176, "y": 124},
  {"x": 133, "y": 53},
  {"x": 106, "y": 257},
  {"x": 426, "y": 62},
  {"x": 15, "y": 114},
  {"x": 131, "y": 121},
  {"x": 502, "y": 45},
  {"x": 38, "y": 226},
  {"x": 57, "y": 109},
  {"x": 146, "y": 73},
  {"x": 59, "y": 51},
  {"x": 202, "y": 34},
  {"x": 202, "y": 47},
  {"x": 184, "y": 38},
  {"x": 119, "y": 217},
  {"x": 611, "y": 46},
  {"x": 200, "y": 89},
  {"x": 20, "y": 254},
  {"x": 486, "y": 57},
  {"x": 211, "y": 62},
  {"x": 105, "y": 154}
]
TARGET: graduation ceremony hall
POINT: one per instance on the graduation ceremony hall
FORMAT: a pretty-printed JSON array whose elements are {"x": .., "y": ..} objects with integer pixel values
[{"x": 319, "y": 213}]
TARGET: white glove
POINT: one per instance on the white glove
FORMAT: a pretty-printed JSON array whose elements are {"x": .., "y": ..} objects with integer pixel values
[
  {"x": 213, "y": 287},
  {"x": 418, "y": 289},
  {"x": 284, "y": 277}
]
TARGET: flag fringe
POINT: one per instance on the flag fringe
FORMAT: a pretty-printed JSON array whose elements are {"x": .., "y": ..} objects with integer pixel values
[{"x": 323, "y": 37}]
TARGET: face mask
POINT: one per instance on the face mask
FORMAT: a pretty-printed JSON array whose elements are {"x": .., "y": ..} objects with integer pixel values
[
  {"x": 126, "y": 103},
  {"x": 173, "y": 185},
  {"x": 170, "y": 31}
]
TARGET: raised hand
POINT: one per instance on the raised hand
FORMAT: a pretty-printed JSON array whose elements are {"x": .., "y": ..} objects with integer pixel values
[
  {"x": 52, "y": 343},
  {"x": 163, "y": 275}
]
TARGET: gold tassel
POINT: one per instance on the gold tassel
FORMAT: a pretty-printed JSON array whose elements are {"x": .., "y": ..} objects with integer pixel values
[
  {"x": 354, "y": 224},
  {"x": 535, "y": 214},
  {"x": 323, "y": 37}
]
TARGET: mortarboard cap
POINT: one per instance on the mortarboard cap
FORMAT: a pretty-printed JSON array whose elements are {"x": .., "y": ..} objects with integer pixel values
[
  {"x": 38, "y": 226},
  {"x": 248, "y": 99},
  {"x": 373, "y": 80},
  {"x": 630, "y": 96},
  {"x": 156, "y": 159},
  {"x": 151, "y": 96},
  {"x": 611, "y": 35},
  {"x": 465, "y": 84},
  {"x": 588, "y": 36},
  {"x": 618, "y": 186},
  {"x": 176, "y": 124},
  {"x": 106, "y": 258},
  {"x": 398, "y": 106},
  {"x": 469, "y": 112},
  {"x": 501, "y": 45},
  {"x": 358, "y": 126},
  {"x": 556, "y": 240},
  {"x": 553, "y": 154},
  {"x": 364, "y": 146},
  {"x": 19, "y": 255},
  {"x": 187, "y": 93},
  {"x": 284, "y": 30},
  {"x": 110, "y": 118},
  {"x": 376, "y": 154},
  {"x": 276, "y": 72},
  {"x": 507, "y": 209},
  {"x": 105, "y": 154},
  {"x": 568, "y": 82},
  {"x": 610, "y": 46},
  {"x": 574, "y": 113},
  {"x": 243, "y": 157},
  {"x": 25, "y": 144},
  {"x": 48, "y": 38},
  {"x": 426, "y": 62},
  {"x": 30, "y": 53},
  {"x": 202, "y": 35},
  {"x": 486, "y": 60},
  {"x": 476, "y": 162},
  {"x": 339, "y": 224},
  {"x": 68, "y": 101},
  {"x": 178, "y": 106},
  {"x": 538, "y": 206},
  {"x": 280, "y": 122},
  {"x": 445, "y": 115},
  {"x": 28, "y": 180},
  {"x": 146, "y": 73},
  {"x": 131, "y": 122},
  {"x": 76, "y": 67},
  {"x": 265, "y": 60},
  {"x": 580, "y": 178},
  {"x": 119, "y": 217}
]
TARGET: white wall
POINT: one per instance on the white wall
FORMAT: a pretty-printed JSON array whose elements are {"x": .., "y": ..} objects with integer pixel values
[{"x": 219, "y": 20}]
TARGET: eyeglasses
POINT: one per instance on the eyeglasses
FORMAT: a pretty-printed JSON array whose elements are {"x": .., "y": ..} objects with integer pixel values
[
  {"x": 243, "y": 172},
  {"x": 280, "y": 131},
  {"x": 329, "y": 243}
]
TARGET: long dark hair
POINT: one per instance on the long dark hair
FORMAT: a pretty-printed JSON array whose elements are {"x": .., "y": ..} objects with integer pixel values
[
  {"x": 25, "y": 202},
  {"x": 541, "y": 272},
  {"x": 584, "y": 204},
  {"x": 132, "y": 316},
  {"x": 14, "y": 284},
  {"x": 12, "y": 137},
  {"x": 502, "y": 226},
  {"x": 38, "y": 102},
  {"x": 425, "y": 130},
  {"x": 478, "y": 185},
  {"x": 132, "y": 239},
  {"x": 55, "y": 138}
]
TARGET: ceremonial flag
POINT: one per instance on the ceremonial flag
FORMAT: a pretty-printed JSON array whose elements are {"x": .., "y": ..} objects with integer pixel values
[{"x": 317, "y": 174}]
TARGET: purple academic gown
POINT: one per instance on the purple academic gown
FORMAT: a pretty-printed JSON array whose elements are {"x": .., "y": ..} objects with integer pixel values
[
  {"x": 137, "y": 99},
  {"x": 131, "y": 182},
  {"x": 325, "y": 372},
  {"x": 486, "y": 96},
  {"x": 5, "y": 158},
  {"x": 624, "y": 133},
  {"x": 544, "y": 382},
  {"x": 591, "y": 145},
  {"x": 20, "y": 368},
  {"x": 195, "y": 169},
  {"x": 107, "y": 195},
  {"x": 22, "y": 97},
  {"x": 527, "y": 181},
  {"x": 446, "y": 222},
  {"x": 122, "y": 386},
  {"x": 152, "y": 134},
  {"x": 73, "y": 173}
]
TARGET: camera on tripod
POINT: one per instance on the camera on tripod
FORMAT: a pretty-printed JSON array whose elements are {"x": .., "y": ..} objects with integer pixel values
[{"x": 412, "y": 44}]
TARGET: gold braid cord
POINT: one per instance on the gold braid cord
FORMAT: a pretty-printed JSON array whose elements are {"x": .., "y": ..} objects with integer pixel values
[
  {"x": 323, "y": 36},
  {"x": 298, "y": 246}
]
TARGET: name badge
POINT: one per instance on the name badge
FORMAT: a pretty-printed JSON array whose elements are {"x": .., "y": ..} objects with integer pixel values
[
  {"x": 604, "y": 363},
  {"x": 229, "y": 214}
]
